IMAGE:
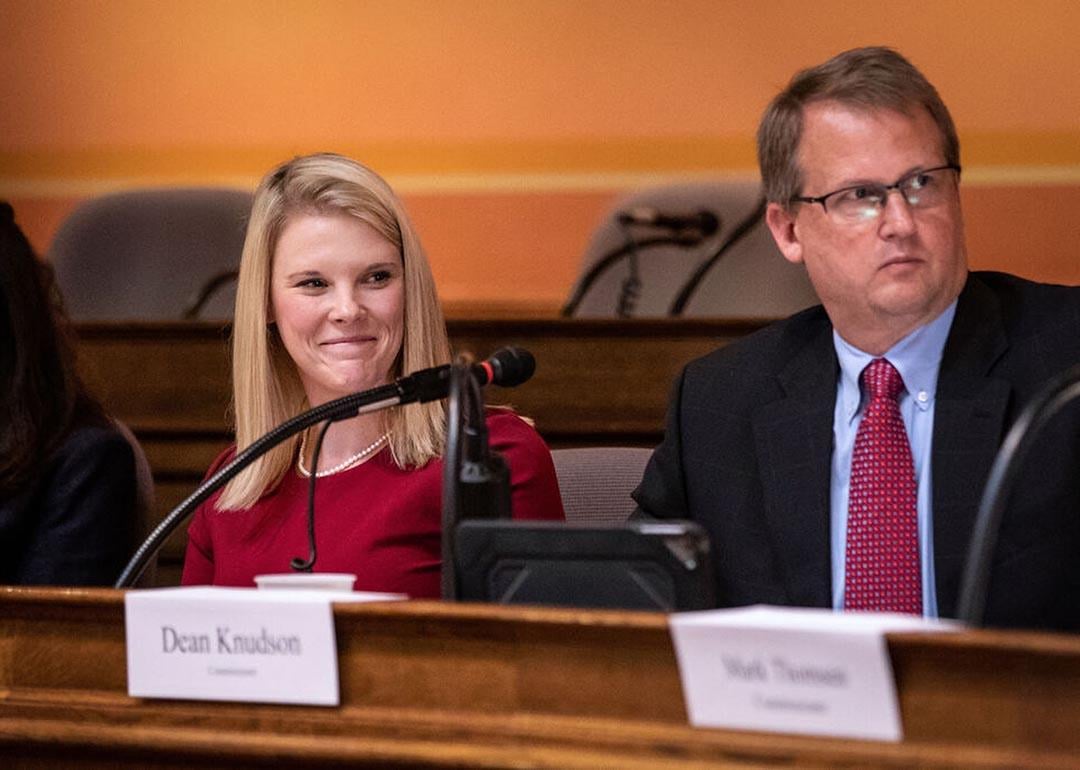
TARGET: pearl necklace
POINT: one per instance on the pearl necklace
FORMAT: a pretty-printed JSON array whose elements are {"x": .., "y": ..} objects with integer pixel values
[{"x": 348, "y": 462}]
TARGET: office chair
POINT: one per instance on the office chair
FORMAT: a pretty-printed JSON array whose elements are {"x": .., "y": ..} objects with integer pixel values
[
  {"x": 145, "y": 519},
  {"x": 149, "y": 254},
  {"x": 595, "y": 482},
  {"x": 735, "y": 272}
]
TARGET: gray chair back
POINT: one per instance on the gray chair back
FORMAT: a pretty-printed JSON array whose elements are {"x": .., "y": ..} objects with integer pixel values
[
  {"x": 147, "y": 254},
  {"x": 751, "y": 279},
  {"x": 595, "y": 482}
]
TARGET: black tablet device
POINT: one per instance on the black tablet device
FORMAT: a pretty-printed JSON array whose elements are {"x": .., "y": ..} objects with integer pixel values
[{"x": 642, "y": 565}]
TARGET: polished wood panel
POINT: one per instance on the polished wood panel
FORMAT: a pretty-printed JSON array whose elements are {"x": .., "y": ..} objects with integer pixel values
[
  {"x": 597, "y": 382},
  {"x": 426, "y": 684}
]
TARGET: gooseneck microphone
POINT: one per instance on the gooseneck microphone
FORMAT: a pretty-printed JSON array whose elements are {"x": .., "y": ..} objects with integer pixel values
[
  {"x": 741, "y": 230},
  {"x": 425, "y": 385},
  {"x": 507, "y": 367},
  {"x": 1039, "y": 412},
  {"x": 681, "y": 239},
  {"x": 703, "y": 221},
  {"x": 684, "y": 231}
]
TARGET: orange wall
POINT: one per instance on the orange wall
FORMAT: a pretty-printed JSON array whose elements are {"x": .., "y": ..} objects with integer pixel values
[{"x": 509, "y": 126}]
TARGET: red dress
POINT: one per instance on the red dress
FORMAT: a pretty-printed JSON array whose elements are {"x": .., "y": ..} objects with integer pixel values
[{"x": 376, "y": 520}]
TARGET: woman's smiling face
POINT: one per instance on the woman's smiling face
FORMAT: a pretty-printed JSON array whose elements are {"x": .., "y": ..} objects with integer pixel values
[{"x": 337, "y": 294}]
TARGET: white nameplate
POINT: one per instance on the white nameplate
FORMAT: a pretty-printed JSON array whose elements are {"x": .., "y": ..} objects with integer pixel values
[
  {"x": 234, "y": 644},
  {"x": 792, "y": 670}
]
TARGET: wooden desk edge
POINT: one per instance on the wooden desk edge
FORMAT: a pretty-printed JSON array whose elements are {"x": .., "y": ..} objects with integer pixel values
[{"x": 552, "y": 734}]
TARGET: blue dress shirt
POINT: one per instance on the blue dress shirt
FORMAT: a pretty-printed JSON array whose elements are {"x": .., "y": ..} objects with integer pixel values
[{"x": 918, "y": 358}]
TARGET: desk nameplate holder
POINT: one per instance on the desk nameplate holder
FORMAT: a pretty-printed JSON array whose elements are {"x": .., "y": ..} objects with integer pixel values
[
  {"x": 235, "y": 644},
  {"x": 792, "y": 670}
]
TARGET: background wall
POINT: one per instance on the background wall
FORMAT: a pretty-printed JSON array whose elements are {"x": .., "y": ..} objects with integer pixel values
[{"x": 510, "y": 125}]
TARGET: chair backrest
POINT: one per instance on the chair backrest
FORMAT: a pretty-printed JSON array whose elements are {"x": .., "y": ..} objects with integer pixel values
[
  {"x": 595, "y": 482},
  {"x": 145, "y": 519},
  {"x": 751, "y": 279},
  {"x": 146, "y": 254}
]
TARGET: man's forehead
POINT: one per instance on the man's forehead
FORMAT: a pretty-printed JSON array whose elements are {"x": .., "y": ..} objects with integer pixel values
[
  {"x": 841, "y": 138},
  {"x": 818, "y": 110}
]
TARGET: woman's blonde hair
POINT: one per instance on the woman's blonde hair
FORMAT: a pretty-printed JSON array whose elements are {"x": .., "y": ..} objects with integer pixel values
[{"x": 266, "y": 386}]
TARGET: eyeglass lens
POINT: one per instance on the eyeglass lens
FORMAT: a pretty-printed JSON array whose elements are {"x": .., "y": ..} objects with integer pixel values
[{"x": 923, "y": 189}]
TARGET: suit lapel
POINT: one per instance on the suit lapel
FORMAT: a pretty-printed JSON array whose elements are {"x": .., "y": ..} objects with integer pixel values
[
  {"x": 793, "y": 441},
  {"x": 969, "y": 418}
]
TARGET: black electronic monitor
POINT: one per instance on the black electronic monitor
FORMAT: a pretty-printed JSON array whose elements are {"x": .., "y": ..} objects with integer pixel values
[{"x": 641, "y": 565}]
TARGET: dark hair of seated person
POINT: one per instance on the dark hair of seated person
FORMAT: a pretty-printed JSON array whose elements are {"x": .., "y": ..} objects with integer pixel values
[
  {"x": 67, "y": 475},
  {"x": 41, "y": 394}
]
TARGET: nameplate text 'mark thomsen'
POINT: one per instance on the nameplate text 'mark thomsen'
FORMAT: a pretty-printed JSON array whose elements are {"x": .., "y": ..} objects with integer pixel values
[{"x": 792, "y": 670}]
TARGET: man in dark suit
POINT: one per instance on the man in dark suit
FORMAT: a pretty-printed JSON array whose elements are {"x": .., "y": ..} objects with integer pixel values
[{"x": 769, "y": 443}]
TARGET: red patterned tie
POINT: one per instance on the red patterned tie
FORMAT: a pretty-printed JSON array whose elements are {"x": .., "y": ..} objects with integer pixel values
[{"x": 881, "y": 571}]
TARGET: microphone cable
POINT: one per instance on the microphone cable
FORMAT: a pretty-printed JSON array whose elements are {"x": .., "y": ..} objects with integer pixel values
[
  {"x": 459, "y": 371},
  {"x": 605, "y": 263},
  {"x": 298, "y": 564},
  {"x": 630, "y": 289}
]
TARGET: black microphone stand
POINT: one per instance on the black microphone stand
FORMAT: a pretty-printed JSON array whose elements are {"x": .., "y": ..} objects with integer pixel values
[
  {"x": 1003, "y": 473},
  {"x": 451, "y": 460},
  {"x": 483, "y": 476},
  {"x": 476, "y": 481},
  {"x": 425, "y": 385}
]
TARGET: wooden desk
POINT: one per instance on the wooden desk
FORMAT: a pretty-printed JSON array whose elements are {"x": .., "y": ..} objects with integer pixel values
[
  {"x": 425, "y": 684},
  {"x": 597, "y": 382}
]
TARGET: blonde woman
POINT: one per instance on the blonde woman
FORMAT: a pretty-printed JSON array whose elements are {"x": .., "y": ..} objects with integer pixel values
[{"x": 335, "y": 296}]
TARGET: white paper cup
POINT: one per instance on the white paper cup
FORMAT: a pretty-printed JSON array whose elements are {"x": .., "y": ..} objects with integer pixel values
[{"x": 308, "y": 581}]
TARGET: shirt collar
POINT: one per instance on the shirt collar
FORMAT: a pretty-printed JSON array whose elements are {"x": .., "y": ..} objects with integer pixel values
[{"x": 917, "y": 357}]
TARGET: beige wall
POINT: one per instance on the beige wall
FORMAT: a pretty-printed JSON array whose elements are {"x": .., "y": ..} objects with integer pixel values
[{"x": 509, "y": 126}]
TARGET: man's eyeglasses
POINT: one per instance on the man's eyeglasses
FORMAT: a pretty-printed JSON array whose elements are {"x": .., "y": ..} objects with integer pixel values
[{"x": 865, "y": 202}]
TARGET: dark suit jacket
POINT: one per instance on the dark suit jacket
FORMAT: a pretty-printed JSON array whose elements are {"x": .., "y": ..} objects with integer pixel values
[
  {"x": 748, "y": 446},
  {"x": 75, "y": 523}
]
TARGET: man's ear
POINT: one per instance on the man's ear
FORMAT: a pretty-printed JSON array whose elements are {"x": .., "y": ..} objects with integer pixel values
[{"x": 781, "y": 223}]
